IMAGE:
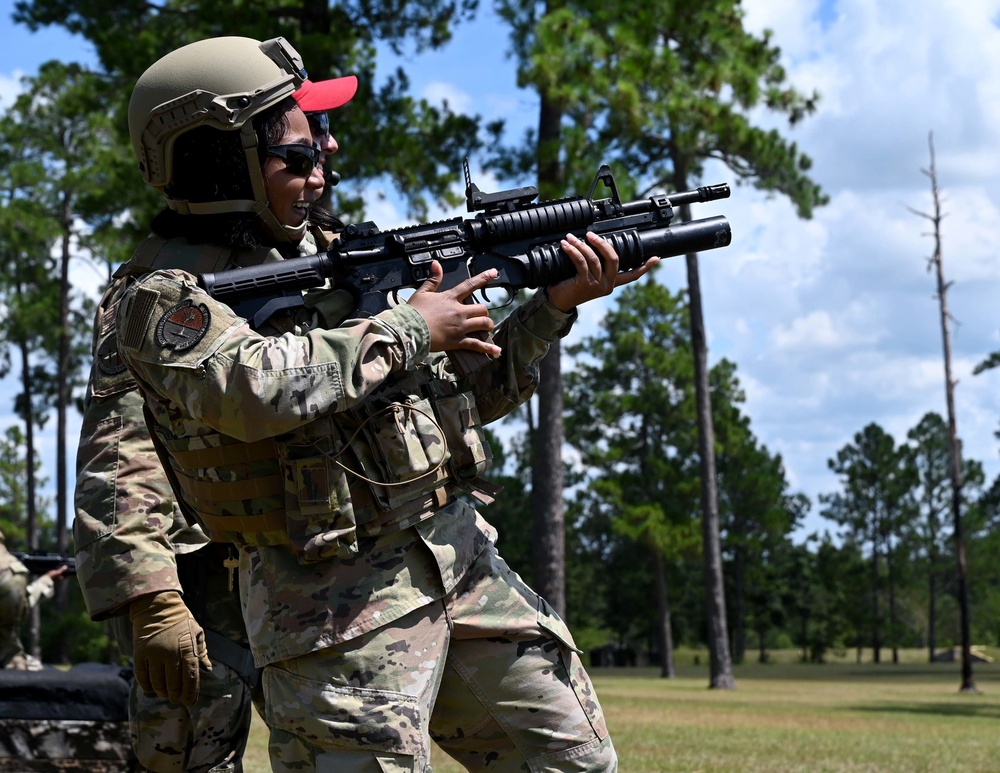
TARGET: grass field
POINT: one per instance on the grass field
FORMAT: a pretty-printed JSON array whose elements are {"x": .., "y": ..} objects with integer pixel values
[{"x": 788, "y": 716}]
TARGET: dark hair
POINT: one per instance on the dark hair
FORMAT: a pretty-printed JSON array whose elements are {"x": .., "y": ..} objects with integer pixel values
[
  {"x": 210, "y": 165},
  {"x": 325, "y": 219}
]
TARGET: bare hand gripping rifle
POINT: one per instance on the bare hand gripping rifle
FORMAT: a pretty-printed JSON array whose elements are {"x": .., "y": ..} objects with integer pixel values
[
  {"x": 40, "y": 563},
  {"x": 510, "y": 234}
]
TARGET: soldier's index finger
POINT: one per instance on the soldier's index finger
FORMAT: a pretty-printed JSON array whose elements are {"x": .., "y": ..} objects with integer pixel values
[{"x": 468, "y": 286}]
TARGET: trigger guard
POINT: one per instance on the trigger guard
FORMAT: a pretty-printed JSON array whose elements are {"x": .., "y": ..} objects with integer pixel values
[
  {"x": 511, "y": 295},
  {"x": 507, "y": 289}
]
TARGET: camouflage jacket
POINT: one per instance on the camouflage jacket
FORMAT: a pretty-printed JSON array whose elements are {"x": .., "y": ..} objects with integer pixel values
[
  {"x": 352, "y": 395},
  {"x": 128, "y": 526}
]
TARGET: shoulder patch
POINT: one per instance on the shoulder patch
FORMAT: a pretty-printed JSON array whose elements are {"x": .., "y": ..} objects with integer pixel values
[
  {"x": 109, "y": 361},
  {"x": 183, "y": 326},
  {"x": 138, "y": 317}
]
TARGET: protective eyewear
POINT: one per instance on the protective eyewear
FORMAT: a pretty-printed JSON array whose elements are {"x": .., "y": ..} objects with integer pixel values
[
  {"x": 299, "y": 159},
  {"x": 319, "y": 123}
]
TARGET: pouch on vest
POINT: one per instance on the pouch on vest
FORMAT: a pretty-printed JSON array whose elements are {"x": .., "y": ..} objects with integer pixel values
[
  {"x": 403, "y": 451},
  {"x": 471, "y": 456},
  {"x": 320, "y": 515}
]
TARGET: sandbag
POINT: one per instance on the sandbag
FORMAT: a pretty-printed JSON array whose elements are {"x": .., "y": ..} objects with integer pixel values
[{"x": 53, "y": 720}]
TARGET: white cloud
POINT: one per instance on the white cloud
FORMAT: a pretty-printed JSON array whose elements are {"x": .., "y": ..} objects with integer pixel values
[
  {"x": 834, "y": 322},
  {"x": 818, "y": 330},
  {"x": 441, "y": 93},
  {"x": 10, "y": 87}
]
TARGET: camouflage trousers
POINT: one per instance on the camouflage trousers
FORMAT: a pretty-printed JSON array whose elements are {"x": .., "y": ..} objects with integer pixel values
[
  {"x": 208, "y": 737},
  {"x": 490, "y": 672}
]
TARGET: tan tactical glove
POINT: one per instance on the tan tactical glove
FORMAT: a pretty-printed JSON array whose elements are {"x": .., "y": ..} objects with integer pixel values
[{"x": 168, "y": 646}]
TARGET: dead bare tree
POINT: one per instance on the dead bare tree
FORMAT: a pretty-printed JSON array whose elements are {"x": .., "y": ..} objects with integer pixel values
[{"x": 935, "y": 263}]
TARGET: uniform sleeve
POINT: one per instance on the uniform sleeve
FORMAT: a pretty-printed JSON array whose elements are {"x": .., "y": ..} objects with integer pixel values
[
  {"x": 39, "y": 588},
  {"x": 195, "y": 353},
  {"x": 125, "y": 508},
  {"x": 524, "y": 338}
]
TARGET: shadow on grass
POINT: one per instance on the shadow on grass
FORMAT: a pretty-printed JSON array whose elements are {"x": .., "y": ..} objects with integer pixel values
[
  {"x": 986, "y": 676},
  {"x": 840, "y": 672},
  {"x": 964, "y": 710}
]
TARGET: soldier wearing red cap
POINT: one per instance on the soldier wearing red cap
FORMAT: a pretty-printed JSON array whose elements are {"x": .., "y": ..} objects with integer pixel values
[{"x": 316, "y": 100}]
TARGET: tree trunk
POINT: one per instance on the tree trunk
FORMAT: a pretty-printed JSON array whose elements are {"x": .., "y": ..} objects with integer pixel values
[
  {"x": 876, "y": 611},
  {"x": 968, "y": 684},
  {"x": 931, "y": 581},
  {"x": 721, "y": 676},
  {"x": 62, "y": 409},
  {"x": 666, "y": 635},
  {"x": 547, "y": 469},
  {"x": 890, "y": 559},
  {"x": 547, "y": 486},
  {"x": 954, "y": 450},
  {"x": 27, "y": 385},
  {"x": 739, "y": 605},
  {"x": 761, "y": 644},
  {"x": 33, "y": 644}
]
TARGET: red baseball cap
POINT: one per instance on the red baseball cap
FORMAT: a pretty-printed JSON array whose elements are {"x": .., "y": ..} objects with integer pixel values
[{"x": 320, "y": 96}]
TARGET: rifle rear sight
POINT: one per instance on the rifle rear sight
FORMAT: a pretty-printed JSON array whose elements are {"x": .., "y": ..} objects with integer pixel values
[{"x": 515, "y": 199}]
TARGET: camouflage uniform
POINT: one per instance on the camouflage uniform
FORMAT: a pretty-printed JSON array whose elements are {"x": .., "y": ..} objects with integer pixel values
[
  {"x": 17, "y": 597},
  {"x": 338, "y": 456},
  {"x": 132, "y": 540}
]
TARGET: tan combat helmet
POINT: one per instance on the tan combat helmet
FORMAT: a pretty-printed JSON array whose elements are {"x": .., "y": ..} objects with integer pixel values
[{"x": 218, "y": 82}]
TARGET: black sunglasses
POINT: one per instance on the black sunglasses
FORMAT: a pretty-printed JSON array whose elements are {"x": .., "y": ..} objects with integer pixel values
[
  {"x": 319, "y": 123},
  {"x": 299, "y": 159}
]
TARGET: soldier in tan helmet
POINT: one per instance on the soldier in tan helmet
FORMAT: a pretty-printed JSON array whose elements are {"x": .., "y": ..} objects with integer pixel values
[
  {"x": 339, "y": 454},
  {"x": 170, "y": 595}
]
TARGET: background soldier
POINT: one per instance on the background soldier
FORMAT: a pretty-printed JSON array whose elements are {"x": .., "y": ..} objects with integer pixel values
[
  {"x": 17, "y": 596},
  {"x": 171, "y": 595}
]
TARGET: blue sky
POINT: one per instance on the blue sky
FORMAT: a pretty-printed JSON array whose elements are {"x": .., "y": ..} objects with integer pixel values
[{"x": 832, "y": 322}]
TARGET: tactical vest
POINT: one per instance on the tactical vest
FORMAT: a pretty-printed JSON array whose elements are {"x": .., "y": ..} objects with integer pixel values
[{"x": 395, "y": 459}]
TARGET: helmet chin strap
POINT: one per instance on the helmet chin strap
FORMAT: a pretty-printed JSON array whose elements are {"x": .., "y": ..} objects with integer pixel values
[
  {"x": 282, "y": 234},
  {"x": 279, "y": 232},
  {"x": 296, "y": 232}
]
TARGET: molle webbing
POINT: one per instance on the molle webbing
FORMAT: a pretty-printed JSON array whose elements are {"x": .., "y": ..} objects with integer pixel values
[
  {"x": 367, "y": 511},
  {"x": 218, "y": 456},
  {"x": 222, "y": 491},
  {"x": 212, "y": 500},
  {"x": 245, "y": 524},
  {"x": 218, "y": 503}
]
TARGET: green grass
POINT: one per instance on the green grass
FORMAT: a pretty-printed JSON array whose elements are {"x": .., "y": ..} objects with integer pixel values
[{"x": 789, "y": 716}]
